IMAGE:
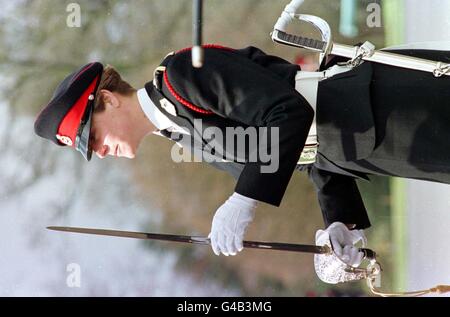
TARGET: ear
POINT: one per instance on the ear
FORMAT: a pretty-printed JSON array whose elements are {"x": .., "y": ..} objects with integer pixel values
[{"x": 109, "y": 98}]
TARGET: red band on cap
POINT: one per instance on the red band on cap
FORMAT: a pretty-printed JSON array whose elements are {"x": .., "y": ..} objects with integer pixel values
[{"x": 68, "y": 127}]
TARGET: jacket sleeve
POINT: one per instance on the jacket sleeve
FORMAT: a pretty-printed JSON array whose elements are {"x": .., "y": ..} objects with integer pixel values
[
  {"x": 339, "y": 198},
  {"x": 234, "y": 87}
]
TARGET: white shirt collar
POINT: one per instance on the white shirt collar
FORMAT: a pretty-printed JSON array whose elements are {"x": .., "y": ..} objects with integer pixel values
[{"x": 152, "y": 112}]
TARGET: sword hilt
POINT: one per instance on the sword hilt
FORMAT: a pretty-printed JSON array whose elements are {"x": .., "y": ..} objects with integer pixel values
[
  {"x": 298, "y": 41},
  {"x": 322, "y": 46}
]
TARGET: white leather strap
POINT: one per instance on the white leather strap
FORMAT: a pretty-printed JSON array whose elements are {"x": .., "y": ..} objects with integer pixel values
[{"x": 307, "y": 83}]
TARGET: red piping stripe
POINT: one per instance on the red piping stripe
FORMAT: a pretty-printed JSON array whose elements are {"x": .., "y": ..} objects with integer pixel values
[
  {"x": 181, "y": 100},
  {"x": 219, "y": 47},
  {"x": 81, "y": 72}
]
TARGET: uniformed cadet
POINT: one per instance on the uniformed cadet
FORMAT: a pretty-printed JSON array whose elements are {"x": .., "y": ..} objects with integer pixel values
[{"x": 372, "y": 119}]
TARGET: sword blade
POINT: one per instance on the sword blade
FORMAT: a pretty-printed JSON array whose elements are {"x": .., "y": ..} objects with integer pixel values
[{"x": 195, "y": 240}]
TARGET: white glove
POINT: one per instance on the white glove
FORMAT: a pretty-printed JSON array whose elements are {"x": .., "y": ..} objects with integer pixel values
[
  {"x": 230, "y": 223},
  {"x": 343, "y": 241}
]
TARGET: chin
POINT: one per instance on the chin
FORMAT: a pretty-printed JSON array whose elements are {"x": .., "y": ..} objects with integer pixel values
[
  {"x": 131, "y": 156},
  {"x": 127, "y": 151}
]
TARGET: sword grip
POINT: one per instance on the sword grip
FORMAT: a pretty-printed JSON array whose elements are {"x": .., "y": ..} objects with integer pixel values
[{"x": 298, "y": 41}]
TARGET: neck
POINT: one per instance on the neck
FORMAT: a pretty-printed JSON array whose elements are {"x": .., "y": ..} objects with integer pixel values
[{"x": 143, "y": 124}]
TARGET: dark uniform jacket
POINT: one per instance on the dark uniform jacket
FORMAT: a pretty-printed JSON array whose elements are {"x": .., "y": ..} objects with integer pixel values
[{"x": 251, "y": 89}]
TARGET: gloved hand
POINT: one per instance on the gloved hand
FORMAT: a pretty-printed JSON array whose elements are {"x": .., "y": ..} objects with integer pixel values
[
  {"x": 230, "y": 223},
  {"x": 343, "y": 241}
]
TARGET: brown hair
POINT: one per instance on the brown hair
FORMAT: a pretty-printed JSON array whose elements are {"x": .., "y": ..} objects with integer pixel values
[{"x": 111, "y": 81}]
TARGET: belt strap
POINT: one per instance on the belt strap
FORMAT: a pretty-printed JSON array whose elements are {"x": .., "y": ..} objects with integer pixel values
[{"x": 307, "y": 84}]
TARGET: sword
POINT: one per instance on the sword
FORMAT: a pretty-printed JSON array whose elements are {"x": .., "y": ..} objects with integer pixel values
[
  {"x": 326, "y": 47},
  {"x": 315, "y": 249},
  {"x": 197, "y": 20}
]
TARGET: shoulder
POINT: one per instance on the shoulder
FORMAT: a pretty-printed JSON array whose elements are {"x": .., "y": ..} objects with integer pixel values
[
  {"x": 220, "y": 63},
  {"x": 213, "y": 54}
]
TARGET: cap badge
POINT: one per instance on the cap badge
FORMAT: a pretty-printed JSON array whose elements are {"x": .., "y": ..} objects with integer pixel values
[{"x": 64, "y": 139}]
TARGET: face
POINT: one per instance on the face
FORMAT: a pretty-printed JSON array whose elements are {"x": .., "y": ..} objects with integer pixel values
[{"x": 112, "y": 130}]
